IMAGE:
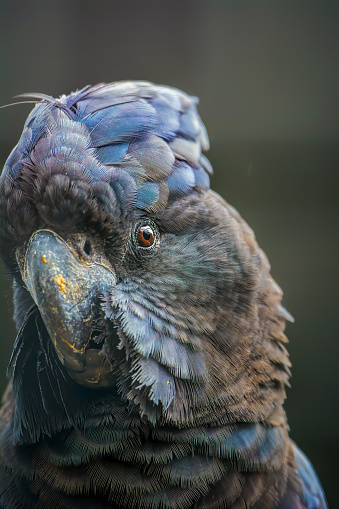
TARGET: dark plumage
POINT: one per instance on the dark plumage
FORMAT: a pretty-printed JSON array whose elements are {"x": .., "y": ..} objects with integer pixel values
[{"x": 149, "y": 369}]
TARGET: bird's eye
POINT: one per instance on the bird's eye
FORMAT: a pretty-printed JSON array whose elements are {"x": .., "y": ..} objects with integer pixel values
[{"x": 145, "y": 236}]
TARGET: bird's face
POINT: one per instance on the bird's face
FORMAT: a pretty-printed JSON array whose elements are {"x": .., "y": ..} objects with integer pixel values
[
  {"x": 144, "y": 297},
  {"x": 138, "y": 305}
]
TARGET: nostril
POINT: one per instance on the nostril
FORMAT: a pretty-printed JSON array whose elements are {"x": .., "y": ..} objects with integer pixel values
[{"x": 87, "y": 248}]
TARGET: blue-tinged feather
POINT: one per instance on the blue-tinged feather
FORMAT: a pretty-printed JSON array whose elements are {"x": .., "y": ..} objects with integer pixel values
[
  {"x": 13, "y": 164},
  {"x": 91, "y": 99},
  {"x": 26, "y": 141},
  {"x": 151, "y": 374},
  {"x": 186, "y": 150},
  {"x": 201, "y": 178},
  {"x": 190, "y": 125},
  {"x": 270, "y": 448},
  {"x": 154, "y": 304},
  {"x": 154, "y": 155},
  {"x": 168, "y": 117},
  {"x": 141, "y": 326},
  {"x": 242, "y": 441},
  {"x": 181, "y": 181},
  {"x": 134, "y": 168},
  {"x": 175, "y": 98},
  {"x": 147, "y": 195},
  {"x": 120, "y": 123},
  {"x": 110, "y": 154},
  {"x": 312, "y": 493},
  {"x": 124, "y": 187},
  {"x": 205, "y": 164}
]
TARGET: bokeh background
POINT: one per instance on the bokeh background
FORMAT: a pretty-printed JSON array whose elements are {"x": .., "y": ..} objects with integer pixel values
[{"x": 267, "y": 76}]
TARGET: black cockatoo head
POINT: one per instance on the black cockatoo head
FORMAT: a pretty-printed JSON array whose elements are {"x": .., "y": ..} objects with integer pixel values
[{"x": 135, "y": 285}]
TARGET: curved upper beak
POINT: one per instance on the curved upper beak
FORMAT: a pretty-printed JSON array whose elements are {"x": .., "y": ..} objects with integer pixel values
[{"x": 66, "y": 291}]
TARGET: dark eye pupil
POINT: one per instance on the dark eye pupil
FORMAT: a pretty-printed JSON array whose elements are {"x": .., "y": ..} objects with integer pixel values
[{"x": 146, "y": 234}]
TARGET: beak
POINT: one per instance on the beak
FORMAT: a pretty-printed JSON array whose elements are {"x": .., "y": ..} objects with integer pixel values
[{"x": 66, "y": 291}]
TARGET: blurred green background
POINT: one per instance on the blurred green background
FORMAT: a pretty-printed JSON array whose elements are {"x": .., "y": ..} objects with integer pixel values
[{"x": 267, "y": 77}]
